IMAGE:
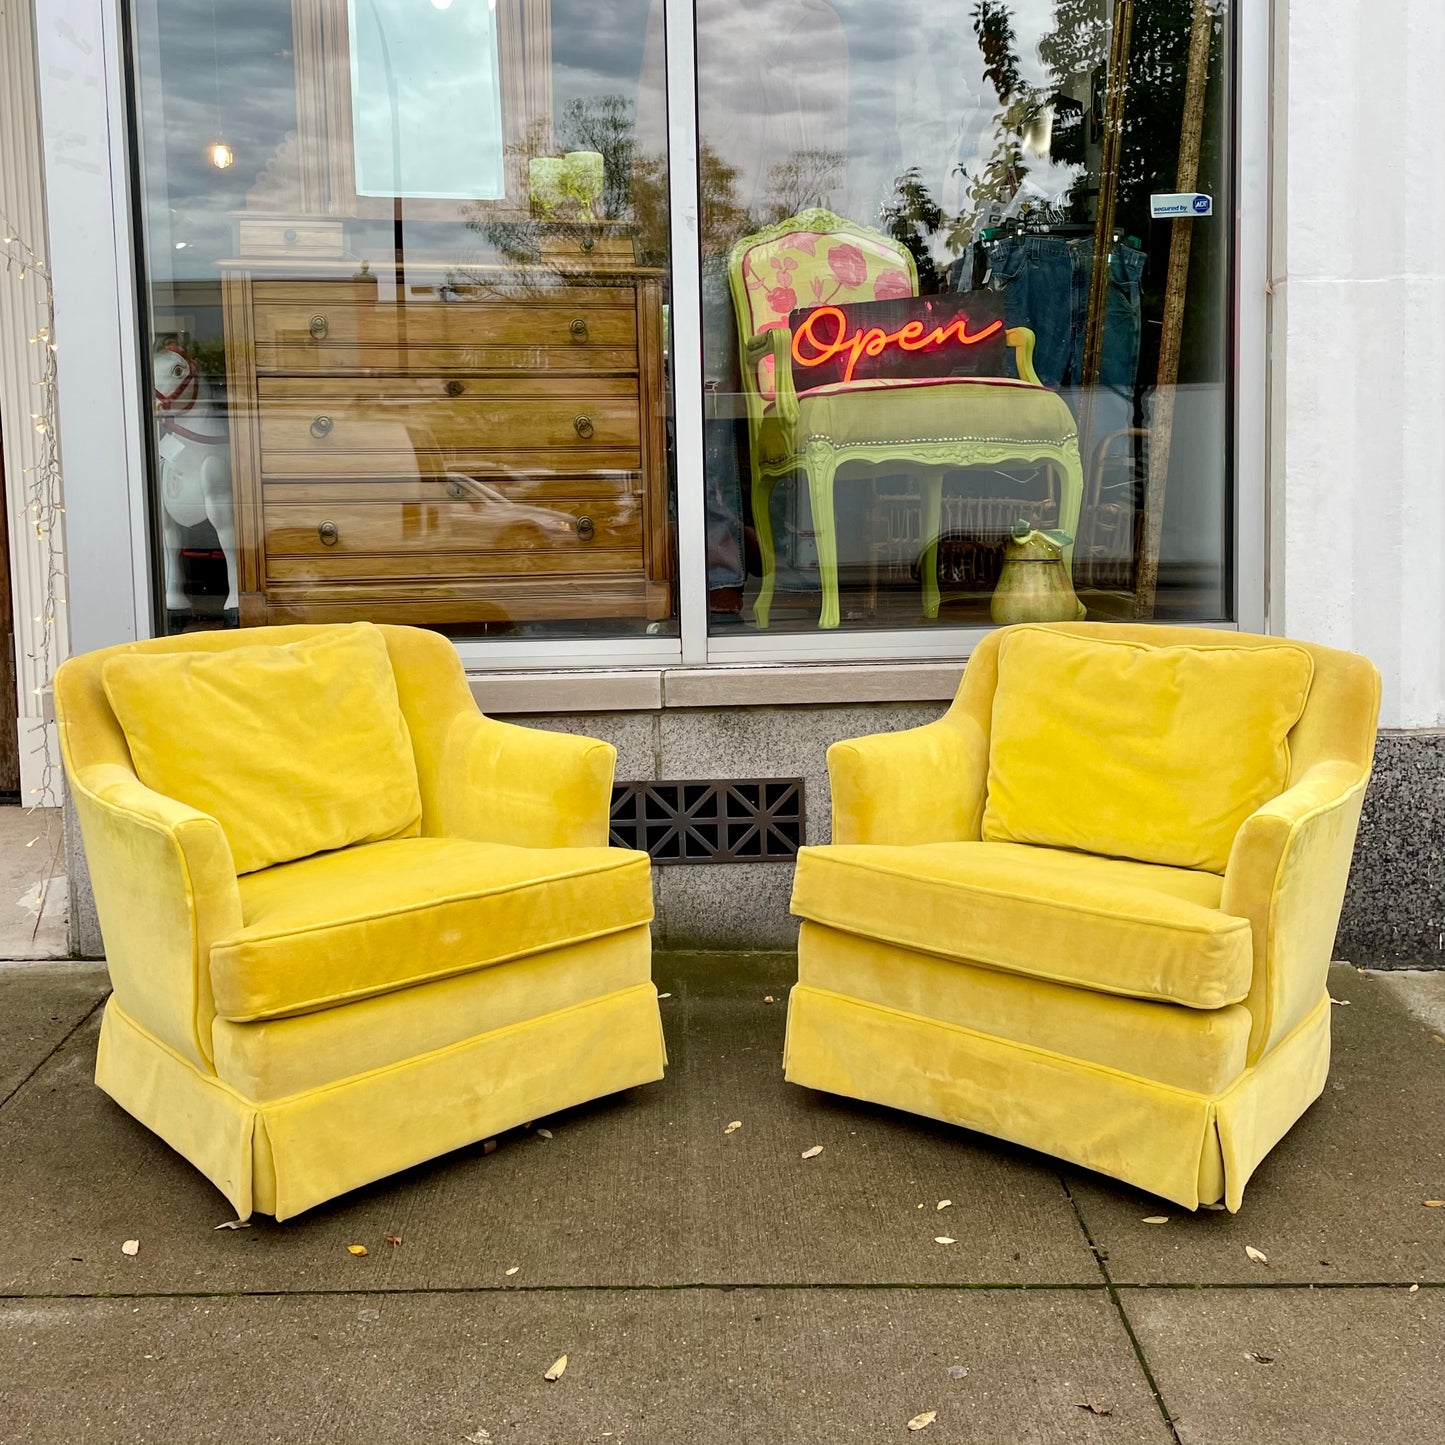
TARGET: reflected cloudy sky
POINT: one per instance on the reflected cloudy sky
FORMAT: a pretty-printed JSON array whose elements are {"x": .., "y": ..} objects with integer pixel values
[
  {"x": 892, "y": 85},
  {"x": 896, "y": 86}
]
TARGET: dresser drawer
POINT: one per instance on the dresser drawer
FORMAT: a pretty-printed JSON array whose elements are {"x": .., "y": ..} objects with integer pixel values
[
  {"x": 399, "y": 426},
  {"x": 320, "y": 327},
  {"x": 487, "y": 532},
  {"x": 456, "y": 486}
]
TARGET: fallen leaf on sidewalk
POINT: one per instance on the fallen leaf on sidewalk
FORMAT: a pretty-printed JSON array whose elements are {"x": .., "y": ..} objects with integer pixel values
[
  {"x": 1258, "y": 1358},
  {"x": 733, "y": 1127},
  {"x": 234, "y": 1224},
  {"x": 923, "y": 1421},
  {"x": 480, "y": 1438},
  {"x": 1094, "y": 1409},
  {"x": 943, "y": 1204},
  {"x": 813, "y": 1152},
  {"x": 392, "y": 1239},
  {"x": 957, "y": 1372},
  {"x": 357, "y": 1249},
  {"x": 1435, "y": 1204},
  {"x": 768, "y": 998},
  {"x": 664, "y": 995},
  {"x": 514, "y": 1269},
  {"x": 1438, "y": 1038},
  {"x": 1340, "y": 1002},
  {"x": 1217, "y": 1208},
  {"x": 1156, "y": 1219},
  {"x": 559, "y": 1368},
  {"x": 1257, "y": 1255},
  {"x": 943, "y": 1239},
  {"x": 131, "y": 1247},
  {"x": 1414, "y": 1289},
  {"x": 544, "y": 1133}
]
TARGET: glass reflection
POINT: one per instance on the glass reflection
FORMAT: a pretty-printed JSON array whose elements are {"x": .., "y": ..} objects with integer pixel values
[
  {"x": 409, "y": 349},
  {"x": 1004, "y": 154}
]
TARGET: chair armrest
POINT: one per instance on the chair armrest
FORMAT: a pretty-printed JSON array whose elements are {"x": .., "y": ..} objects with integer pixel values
[
  {"x": 1286, "y": 874},
  {"x": 921, "y": 785},
  {"x": 165, "y": 890},
  {"x": 1021, "y": 339},
  {"x": 777, "y": 342},
  {"x": 523, "y": 786}
]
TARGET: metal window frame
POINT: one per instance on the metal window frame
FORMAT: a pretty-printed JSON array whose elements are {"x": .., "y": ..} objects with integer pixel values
[{"x": 89, "y": 167}]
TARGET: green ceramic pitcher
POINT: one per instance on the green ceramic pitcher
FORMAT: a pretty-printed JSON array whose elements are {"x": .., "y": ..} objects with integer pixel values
[{"x": 1034, "y": 584}]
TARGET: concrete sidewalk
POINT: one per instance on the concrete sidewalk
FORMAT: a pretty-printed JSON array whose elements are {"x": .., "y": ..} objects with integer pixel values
[{"x": 712, "y": 1287}]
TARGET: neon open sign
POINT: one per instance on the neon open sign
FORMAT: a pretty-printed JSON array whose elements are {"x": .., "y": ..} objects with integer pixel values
[{"x": 823, "y": 336}]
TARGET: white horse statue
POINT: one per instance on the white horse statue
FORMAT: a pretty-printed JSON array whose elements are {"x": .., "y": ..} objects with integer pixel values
[{"x": 195, "y": 457}]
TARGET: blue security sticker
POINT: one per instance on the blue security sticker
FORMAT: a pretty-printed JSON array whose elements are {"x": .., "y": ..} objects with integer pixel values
[{"x": 1180, "y": 203}]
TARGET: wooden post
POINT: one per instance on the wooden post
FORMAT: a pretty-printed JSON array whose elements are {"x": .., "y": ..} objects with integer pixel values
[
  {"x": 1176, "y": 287},
  {"x": 1115, "y": 86}
]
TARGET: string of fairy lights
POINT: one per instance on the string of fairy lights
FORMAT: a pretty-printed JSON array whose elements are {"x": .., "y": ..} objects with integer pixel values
[{"x": 43, "y": 508}]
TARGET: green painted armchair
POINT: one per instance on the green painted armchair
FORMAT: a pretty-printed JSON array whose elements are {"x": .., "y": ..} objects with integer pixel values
[{"x": 932, "y": 425}]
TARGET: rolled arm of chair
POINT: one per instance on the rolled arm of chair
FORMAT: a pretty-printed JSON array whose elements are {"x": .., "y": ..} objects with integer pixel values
[
  {"x": 777, "y": 342},
  {"x": 1287, "y": 873},
  {"x": 165, "y": 890},
  {"x": 921, "y": 785},
  {"x": 507, "y": 784},
  {"x": 1021, "y": 340}
]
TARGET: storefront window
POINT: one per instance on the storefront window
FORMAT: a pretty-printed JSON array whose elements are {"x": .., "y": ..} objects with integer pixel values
[
  {"x": 406, "y": 274},
  {"x": 966, "y": 290}
]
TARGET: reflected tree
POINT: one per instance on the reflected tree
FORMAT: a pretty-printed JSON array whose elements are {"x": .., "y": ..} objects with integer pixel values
[
  {"x": 805, "y": 179},
  {"x": 911, "y": 216},
  {"x": 1020, "y": 110}
]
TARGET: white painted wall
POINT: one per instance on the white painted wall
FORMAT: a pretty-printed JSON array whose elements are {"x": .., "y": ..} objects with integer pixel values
[{"x": 1358, "y": 341}]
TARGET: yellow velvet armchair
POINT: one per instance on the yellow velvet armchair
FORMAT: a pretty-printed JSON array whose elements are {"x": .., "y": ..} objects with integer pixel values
[
  {"x": 426, "y": 941},
  {"x": 1091, "y": 909}
]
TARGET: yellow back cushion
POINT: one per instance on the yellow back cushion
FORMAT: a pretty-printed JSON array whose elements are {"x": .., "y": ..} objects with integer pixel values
[
  {"x": 1153, "y": 753},
  {"x": 294, "y": 750}
]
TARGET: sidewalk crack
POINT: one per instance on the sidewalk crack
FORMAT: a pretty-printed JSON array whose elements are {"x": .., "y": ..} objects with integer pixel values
[
  {"x": 1101, "y": 1259},
  {"x": 70, "y": 1034}
]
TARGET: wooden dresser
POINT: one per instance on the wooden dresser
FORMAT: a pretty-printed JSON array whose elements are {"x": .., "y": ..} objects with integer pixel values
[{"x": 436, "y": 449}]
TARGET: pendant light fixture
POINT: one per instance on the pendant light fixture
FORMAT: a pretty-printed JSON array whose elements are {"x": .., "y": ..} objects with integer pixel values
[{"x": 218, "y": 152}]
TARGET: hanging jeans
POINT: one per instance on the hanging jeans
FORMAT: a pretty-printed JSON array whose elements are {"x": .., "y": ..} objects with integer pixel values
[
  {"x": 723, "y": 487},
  {"x": 1045, "y": 281}
]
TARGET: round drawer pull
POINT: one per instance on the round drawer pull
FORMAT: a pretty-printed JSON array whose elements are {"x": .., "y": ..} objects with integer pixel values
[
  {"x": 588, "y": 243},
  {"x": 586, "y": 528},
  {"x": 582, "y": 425},
  {"x": 456, "y": 491},
  {"x": 321, "y": 427},
  {"x": 329, "y": 533},
  {"x": 320, "y": 328},
  {"x": 578, "y": 329},
  {"x": 289, "y": 235},
  {"x": 455, "y": 388}
]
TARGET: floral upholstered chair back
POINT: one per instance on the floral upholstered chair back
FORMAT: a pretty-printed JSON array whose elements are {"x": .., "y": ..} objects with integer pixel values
[{"x": 812, "y": 259}]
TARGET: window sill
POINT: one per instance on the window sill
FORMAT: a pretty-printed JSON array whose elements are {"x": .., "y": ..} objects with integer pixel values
[{"x": 656, "y": 689}]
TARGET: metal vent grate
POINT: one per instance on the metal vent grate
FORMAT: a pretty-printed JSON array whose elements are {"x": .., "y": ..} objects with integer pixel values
[{"x": 755, "y": 820}]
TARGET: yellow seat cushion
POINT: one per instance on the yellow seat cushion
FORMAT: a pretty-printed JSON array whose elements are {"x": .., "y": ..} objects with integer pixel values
[
  {"x": 344, "y": 926},
  {"x": 273, "y": 1058},
  {"x": 1152, "y": 753},
  {"x": 1102, "y": 923},
  {"x": 293, "y": 749},
  {"x": 1203, "y": 1050}
]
